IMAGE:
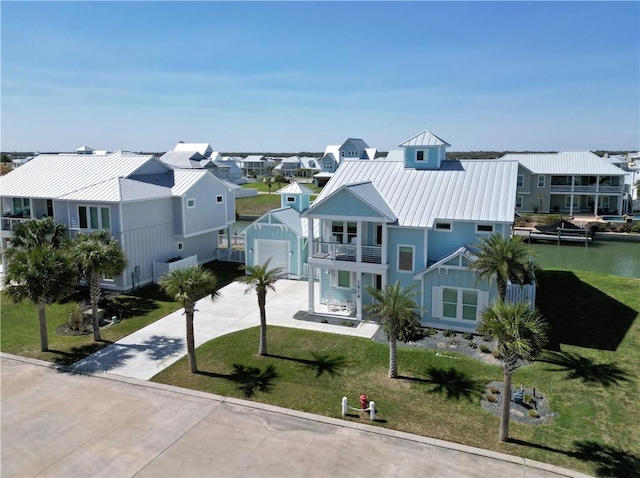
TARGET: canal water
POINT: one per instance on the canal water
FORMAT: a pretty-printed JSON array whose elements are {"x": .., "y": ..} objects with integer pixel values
[{"x": 608, "y": 257}]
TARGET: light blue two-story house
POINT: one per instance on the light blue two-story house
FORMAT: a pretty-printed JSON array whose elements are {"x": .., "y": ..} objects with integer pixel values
[
  {"x": 411, "y": 217},
  {"x": 281, "y": 235}
]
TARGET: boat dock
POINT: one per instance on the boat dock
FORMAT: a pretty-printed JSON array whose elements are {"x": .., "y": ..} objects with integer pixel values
[{"x": 561, "y": 235}]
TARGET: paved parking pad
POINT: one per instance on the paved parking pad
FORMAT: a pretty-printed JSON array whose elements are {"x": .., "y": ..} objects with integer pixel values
[{"x": 58, "y": 424}]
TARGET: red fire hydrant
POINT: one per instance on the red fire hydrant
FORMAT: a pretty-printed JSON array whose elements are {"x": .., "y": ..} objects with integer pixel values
[{"x": 364, "y": 401}]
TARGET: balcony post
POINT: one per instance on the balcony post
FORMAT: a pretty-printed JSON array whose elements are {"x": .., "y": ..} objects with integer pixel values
[
  {"x": 573, "y": 183},
  {"x": 385, "y": 244},
  {"x": 359, "y": 241},
  {"x": 311, "y": 282}
]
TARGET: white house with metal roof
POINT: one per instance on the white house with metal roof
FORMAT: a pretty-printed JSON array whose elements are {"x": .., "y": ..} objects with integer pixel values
[
  {"x": 569, "y": 182},
  {"x": 413, "y": 218},
  {"x": 157, "y": 213},
  {"x": 282, "y": 235},
  {"x": 334, "y": 155}
]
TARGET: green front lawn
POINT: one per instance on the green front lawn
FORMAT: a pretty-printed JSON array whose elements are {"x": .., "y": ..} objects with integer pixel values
[
  {"x": 19, "y": 326},
  {"x": 589, "y": 377},
  {"x": 257, "y": 205}
]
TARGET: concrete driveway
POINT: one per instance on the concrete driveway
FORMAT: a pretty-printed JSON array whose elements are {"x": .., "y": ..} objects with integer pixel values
[
  {"x": 150, "y": 350},
  {"x": 57, "y": 424}
]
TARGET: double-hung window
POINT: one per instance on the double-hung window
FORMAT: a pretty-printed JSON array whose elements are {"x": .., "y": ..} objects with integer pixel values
[
  {"x": 541, "y": 181},
  {"x": 405, "y": 258},
  {"x": 454, "y": 303}
]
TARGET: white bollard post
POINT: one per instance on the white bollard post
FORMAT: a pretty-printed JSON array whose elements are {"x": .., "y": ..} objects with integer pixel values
[
  {"x": 344, "y": 406},
  {"x": 372, "y": 411}
]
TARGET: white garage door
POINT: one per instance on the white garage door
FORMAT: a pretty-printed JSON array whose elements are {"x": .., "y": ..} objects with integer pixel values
[{"x": 278, "y": 251}]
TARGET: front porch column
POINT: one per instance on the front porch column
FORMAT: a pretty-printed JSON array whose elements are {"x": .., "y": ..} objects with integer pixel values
[
  {"x": 229, "y": 246},
  {"x": 597, "y": 199},
  {"x": 573, "y": 183},
  {"x": 358, "y": 295},
  {"x": 311, "y": 281}
]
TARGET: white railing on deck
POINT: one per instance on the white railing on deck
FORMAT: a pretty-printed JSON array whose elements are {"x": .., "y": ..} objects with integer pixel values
[
  {"x": 346, "y": 252},
  {"x": 526, "y": 293}
]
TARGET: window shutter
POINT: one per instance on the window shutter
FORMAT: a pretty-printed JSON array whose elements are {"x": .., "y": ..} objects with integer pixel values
[
  {"x": 483, "y": 302},
  {"x": 436, "y": 302}
]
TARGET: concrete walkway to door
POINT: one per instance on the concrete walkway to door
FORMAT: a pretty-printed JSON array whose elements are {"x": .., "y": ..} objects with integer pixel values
[{"x": 151, "y": 349}]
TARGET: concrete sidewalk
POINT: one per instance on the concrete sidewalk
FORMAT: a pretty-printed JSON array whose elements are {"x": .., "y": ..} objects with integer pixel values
[
  {"x": 152, "y": 349},
  {"x": 58, "y": 424}
]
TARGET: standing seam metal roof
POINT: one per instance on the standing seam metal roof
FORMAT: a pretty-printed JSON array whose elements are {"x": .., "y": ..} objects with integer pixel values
[
  {"x": 56, "y": 175},
  {"x": 460, "y": 190},
  {"x": 565, "y": 163}
]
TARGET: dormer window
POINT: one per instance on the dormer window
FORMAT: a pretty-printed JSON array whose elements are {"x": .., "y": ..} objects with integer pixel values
[{"x": 419, "y": 155}]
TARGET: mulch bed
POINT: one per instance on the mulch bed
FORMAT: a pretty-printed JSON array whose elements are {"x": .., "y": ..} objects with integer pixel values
[{"x": 519, "y": 411}]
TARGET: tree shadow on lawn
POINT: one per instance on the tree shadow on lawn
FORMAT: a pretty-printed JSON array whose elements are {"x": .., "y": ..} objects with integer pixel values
[
  {"x": 579, "y": 314},
  {"x": 610, "y": 461},
  {"x": 115, "y": 354},
  {"x": 585, "y": 369},
  {"x": 126, "y": 307},
  {"x": 450, "y": 382},
  {"x": 322, "y": 363},
  {"x": 249, "y": 379}
]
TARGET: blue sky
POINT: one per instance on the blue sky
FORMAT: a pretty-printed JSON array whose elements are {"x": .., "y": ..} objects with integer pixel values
[{"x": 297, "y": 76}]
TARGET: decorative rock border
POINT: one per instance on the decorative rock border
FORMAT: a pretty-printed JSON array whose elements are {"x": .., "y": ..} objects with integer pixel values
[{"x": 519, "y": 411}]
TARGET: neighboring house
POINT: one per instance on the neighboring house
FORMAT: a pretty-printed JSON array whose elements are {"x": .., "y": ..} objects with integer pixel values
[
  {"x": 228, "y": 169},
  {"x": 569, "y": 181},
  {"x": 334, "y": 155},
  {"x": 156, "y": 213},
  {"x": 631, "y": 169},
  {"x": 410, "y": 217},
  {"x": 281, "y": 235},
  {"x": 256, "y": 165}
]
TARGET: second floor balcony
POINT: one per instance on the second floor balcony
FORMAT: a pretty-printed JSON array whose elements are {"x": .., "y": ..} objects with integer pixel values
[
  {"x": 600, "y": 189},
  {"x": 9, "y": 222},
  {"x": 347, "y": 252}
]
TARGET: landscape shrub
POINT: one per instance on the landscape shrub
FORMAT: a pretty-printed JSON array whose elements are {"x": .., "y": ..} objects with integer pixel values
[
  {"x": 430, "y": 331},
  {"x": 473, "y": 345},
  {"x": 491, "y": 398},
  {"x": 467, "y": 336},
  {"x": 494, "y": 390},
  {"x": 636, "y": 227},
  {"x": 449, "y": 333},
  {"x": 496, "y": 353},
  {"x": 484, "y": 349},
  {"x": 533, "y": 414}
]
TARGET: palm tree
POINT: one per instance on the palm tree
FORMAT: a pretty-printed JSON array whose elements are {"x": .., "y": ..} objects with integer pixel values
[
  {"x": 37, "y": 232},
  {"x": 41, "y": 274},
  {"x": 521, "y": 333},
  {"x": 98, "y": 255},
  {"x": 268, "y": 180},
  {"x": 187, "y": 286},
  {"x": 395, "y": 308},
  {"x": 261, "y": 278},
  {"x": 506, "y": 259}
]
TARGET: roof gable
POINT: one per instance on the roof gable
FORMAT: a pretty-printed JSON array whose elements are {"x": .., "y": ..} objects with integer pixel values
[
  {"x": 425, "y": 138},
  {"x": 361, "y": 200}
]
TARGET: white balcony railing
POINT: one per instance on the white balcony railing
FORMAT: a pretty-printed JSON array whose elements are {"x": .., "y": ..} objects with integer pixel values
[
  {"x": 346, "y": 252},
  {"x": 9, "y": 223},
  {"x": 556, "y": 188}
]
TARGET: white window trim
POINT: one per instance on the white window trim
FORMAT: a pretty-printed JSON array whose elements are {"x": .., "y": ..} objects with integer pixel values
[
  {"x": 543, "y": 180},
  {"x": 193, "y": 205},
  {"x": 413, "y": 258},
  {"x": 520, "y": 183},
  {"x": 219, "y": 199},
  {"x": 478, "y": 231},
  {"x": 333, "y": 280},
  {"x": 435, "y": 226},
  {"x": 438, "y": 304},
  {"x": 519, "y": 202},
  {"x": 424, "y": 155},
  {"x": 291, "y": 199}
]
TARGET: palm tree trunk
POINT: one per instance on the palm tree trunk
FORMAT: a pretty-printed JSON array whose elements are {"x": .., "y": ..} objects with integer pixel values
[
  {"x": 506, "y": 407},
  {"x": 393, "y": 354},
  {"x": 262, "y": 300},
  {"x": 502, "y": 289},
  {"x": 94, "y": 292},
  {"x": 44, "y": 339},
  {"x": 191, "y": 346}
]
